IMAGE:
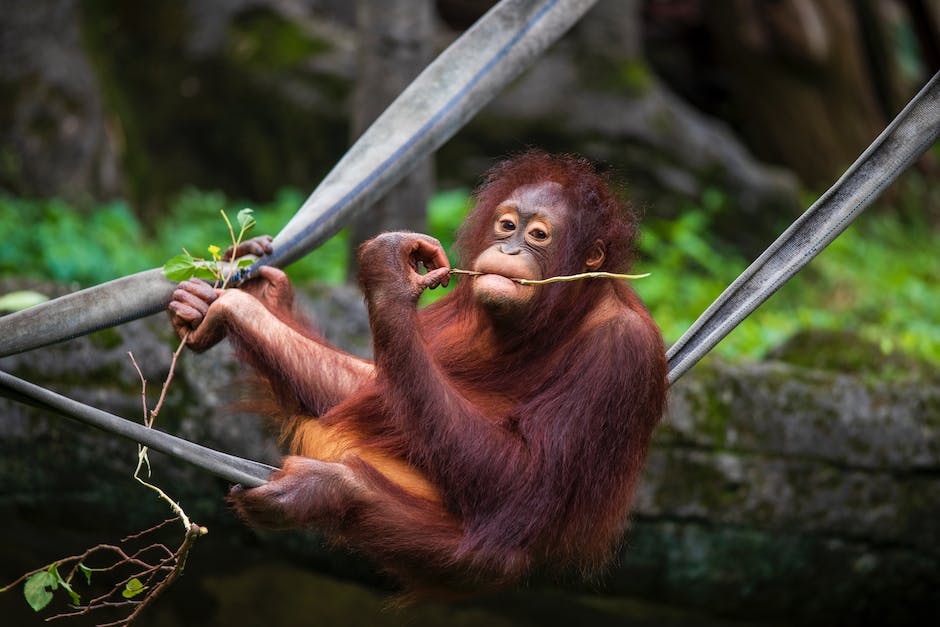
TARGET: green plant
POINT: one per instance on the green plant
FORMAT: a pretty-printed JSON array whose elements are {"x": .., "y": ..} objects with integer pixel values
[
  {"x": 185, "y": 266},
  {"x": 51, "y": 239},
  {"x": 876, "y": 279}
]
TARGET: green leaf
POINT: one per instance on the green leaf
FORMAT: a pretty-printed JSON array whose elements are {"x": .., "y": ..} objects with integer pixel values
[
  {"x": 16, "y": 301},
  {"x": 54, "y": 570},
  {"x": 133, "y": 588},
  {"x": 203, "y": 271},
  {"x": 185, "y": 266},
  {"x": 246, "y": 219},
  {"x": 76, "y": 598},
  {"x": 180, "y": 267},
  {"x": 38, "y": 589},
  {"x": 87, "y": 572}
]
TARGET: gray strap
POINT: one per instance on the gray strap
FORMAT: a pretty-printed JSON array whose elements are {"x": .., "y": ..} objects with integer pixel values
[
  {"x": 504, "y": 42},
  {"x": 450, "y": 91},
  {"x": 911, "y": 133},
  {"x": 86, "y": 311},
  {"x": 235, "y": 469}
]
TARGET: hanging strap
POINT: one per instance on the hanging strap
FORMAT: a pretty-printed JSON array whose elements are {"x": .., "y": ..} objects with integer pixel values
[
  {"x": 911, "y": 133},
  {"x": 235, "y": 469},
  {"x": 466, "y": 76},
  {"x": 444, "y": 97}
]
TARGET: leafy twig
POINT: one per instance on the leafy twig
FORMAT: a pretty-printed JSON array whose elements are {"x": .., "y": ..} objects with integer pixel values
[
  {"x": 185, "y": 266},
  {"x": 144, "y": 579},
  {"x": 151, "y": 575},
  {"x": 149, "y": 417}
]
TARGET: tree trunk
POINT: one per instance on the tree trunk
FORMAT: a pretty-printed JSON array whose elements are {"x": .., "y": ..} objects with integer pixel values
[
  {"x": 799, "y": 82},
  {"x": 54, "y": 140},
  {"x": 395, "y": 45}
]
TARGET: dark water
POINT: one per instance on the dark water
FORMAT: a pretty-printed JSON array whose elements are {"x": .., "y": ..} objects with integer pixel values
[{"x": 272, "y": 593}]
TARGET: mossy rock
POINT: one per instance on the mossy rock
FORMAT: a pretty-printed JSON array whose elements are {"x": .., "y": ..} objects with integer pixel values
[
  {"x": 766, "y": 575},
  {"x": 845, "y": 351}
]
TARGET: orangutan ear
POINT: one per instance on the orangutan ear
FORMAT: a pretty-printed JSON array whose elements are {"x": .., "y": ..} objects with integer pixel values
[{"x": 596, "y": 256}]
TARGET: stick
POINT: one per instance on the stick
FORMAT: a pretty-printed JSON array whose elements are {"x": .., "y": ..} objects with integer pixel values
[{"x": 559, "y": 279}]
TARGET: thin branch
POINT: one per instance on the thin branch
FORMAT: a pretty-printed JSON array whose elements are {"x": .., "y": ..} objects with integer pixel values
[
  {"x": 169, "y": 377},
  {"x": 91, "y": 608},
  {"x": 182, "y": 553},
  {"x": 135, "y": 536},
  {"x": 81, "y": 557},
  {"x": 559, "y": 279},
  {"x": 149, "y": 417}
]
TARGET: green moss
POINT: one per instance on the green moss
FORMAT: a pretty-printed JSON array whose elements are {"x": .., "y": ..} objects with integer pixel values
[
  {"x": 135, "y": 51},
  {"x": 708, "y": 406},
  {"x": 11, "y": 165},
  {"x": 696, "y": 478},
  {"x": 233, "y": 127},
  {"x": 846, "y": 351},
  {"x": 631, "y": 77},
  {"x": 775, "y": 575},
  {"x": 664, "y": 122},
  {"x": 106, "y": 338},
  {"x": 634, "y": 76},
  {"x": 263, "y": 40}
]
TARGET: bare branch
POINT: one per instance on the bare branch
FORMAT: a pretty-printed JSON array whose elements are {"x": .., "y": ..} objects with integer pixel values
[{"x": 558, "y": 279}]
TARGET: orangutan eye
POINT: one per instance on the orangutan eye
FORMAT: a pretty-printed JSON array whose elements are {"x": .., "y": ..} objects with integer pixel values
[
  {"x": 507, "y": 225},
  {"x": 539, "y": 234}
]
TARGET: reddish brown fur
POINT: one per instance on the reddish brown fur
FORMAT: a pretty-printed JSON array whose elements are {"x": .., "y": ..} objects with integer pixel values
[{"x": 530, "y": 438}]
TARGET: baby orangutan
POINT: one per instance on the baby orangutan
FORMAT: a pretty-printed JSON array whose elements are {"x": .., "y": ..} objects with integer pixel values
[{"x": 499, "y": 430}]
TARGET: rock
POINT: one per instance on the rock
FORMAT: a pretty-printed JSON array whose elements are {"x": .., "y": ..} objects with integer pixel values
[{"x": 773, "y": 490}]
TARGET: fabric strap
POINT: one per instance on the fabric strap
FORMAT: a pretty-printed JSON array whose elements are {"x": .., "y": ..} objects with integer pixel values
[
  {"x": 911, "y": 134},
  {"x": 450, "y": 91}
]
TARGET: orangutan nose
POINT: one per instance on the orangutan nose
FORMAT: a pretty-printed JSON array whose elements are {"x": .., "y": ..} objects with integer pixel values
[{"x": 510, "y": 249}]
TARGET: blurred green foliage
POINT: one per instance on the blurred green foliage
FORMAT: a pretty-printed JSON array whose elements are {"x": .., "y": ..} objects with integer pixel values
[
  {"x": 876, "y": 280},
  {"x": 193, "y": 222},
  {"x": 50, "y": 239},
  {"x": 446, "y": 211}
]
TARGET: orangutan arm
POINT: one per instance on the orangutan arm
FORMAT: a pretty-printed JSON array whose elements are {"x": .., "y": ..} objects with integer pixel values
[
  {"x": 454, "y": 440},
  {"x": 317, "y": 374}
]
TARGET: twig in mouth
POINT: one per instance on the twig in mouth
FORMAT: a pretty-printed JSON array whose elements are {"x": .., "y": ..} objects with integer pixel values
[{"x": 558, "y": 279}]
